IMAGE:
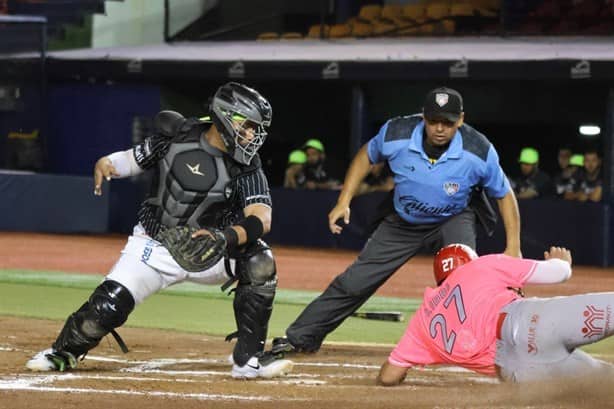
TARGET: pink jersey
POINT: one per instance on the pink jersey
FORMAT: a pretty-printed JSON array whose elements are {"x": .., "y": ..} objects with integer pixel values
[{"x": 456, "y": 323}]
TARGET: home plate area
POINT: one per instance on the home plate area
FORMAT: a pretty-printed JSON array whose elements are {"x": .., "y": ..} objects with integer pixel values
[{"x": 192, "y": 370}]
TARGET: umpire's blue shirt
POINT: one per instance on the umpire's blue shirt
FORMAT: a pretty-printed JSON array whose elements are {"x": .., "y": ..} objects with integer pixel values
[{"x": 432, "y": 193}]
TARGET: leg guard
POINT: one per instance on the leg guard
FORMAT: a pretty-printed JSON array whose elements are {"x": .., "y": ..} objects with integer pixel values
[
  {"x": 107, "y": 308},
  {"x": 253, "y": 301}
]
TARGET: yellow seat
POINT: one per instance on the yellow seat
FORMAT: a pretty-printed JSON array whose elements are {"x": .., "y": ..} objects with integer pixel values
[
  {"x": 340, "y": 31},
  {"x": 392, "y": 11},
  {"x": 461, "y": 9},
  {"x": 413, "y": 12},
  {"x": 426, "y": 29},
  {"x": 384, "y": 27},
  {"x": 314, "y": 31},
  {"x": 437, "y": 11},
  {"x": 370, "y": 11},
  {"x": 488, "y": 8},
  {"x": 291, "y": 35},
  {"x": 445, "y": 27},
  {"x": 489, "y": 4},
  {"x": 361, "y": 28},
  {"x": 269, "y": 35}
]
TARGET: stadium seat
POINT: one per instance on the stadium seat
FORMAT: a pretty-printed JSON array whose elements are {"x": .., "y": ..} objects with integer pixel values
[
  {"x": 426, "y": 29},
  {"x": 461, "y": 10},
  {"x": 414, "y": 12},
  {"x": 315, "y": 31},
  {"x": 412, "y": 16},
  {"x": 487, "y": 8},
  {"x": 291, "y": 35},
  {"x": 269, "y": 35},
  {"x": 384, "y": 27},
  {"x": 445, "y": 27},
  {"x": 370, "y": 11},
  {"x": 488, "y": 4},
  {"x": 392, "y": 11},
  {"x": 437, "y": 11},
  {"x": 340, "y": 31},
  {"x": 361, "y": 28}
]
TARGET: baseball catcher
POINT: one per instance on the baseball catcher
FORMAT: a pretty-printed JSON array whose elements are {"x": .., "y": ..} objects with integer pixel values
[{"x": 202, "y": 221}]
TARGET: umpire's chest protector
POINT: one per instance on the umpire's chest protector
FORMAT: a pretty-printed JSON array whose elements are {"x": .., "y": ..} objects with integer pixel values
[{"x": 192, "y": 177}]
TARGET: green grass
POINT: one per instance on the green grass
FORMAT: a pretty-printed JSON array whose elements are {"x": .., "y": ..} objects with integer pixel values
[{"x": 185, "y": 307}]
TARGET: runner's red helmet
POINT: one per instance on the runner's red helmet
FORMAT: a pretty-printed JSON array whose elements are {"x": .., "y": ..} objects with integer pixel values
[{"x": 449, "y": 258}]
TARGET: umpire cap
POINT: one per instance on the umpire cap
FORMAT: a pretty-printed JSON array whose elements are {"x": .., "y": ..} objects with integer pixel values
[{"x": 443, "y": 103}]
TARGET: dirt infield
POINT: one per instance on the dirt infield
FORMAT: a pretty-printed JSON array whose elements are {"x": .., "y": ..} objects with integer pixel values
[{"x": 170, "y": 369}]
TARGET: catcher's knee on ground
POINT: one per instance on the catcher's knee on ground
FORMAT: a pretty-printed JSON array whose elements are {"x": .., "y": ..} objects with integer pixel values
[
  {"x": 253, "y": 302},
  {"x": 107, "y": 308}
]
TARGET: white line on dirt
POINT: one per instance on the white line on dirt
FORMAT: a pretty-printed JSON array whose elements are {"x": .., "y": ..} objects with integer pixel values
[
  {"x": 177, "y": 372},
  {"x": 337, "y": 365},
  {"x": 198, "y": 396},
  {"x": 74, "y": 376}
]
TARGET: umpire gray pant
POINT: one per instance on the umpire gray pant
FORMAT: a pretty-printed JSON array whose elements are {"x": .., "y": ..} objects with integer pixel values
[{"x": 390, "y": 246}]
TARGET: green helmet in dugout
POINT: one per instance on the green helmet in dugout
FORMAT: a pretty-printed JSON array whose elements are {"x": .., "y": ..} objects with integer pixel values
[
  {"x": 529, "y": 156},
  {"x": 576, "y": 160},
  {"x": 297, "y": 157},
  {"x": 315, "y": 144}
]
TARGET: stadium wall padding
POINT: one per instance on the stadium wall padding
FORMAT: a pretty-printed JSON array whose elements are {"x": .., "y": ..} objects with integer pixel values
[
  {"x": 87, "y": 121},
  {"x": 66, "y": 204}
]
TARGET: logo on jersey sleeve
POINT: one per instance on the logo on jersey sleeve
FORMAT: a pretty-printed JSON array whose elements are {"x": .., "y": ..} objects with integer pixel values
[{"x": 451, "y": 188}]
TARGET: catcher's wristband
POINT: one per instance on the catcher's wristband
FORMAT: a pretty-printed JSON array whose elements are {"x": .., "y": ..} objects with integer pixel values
[
  {"x": 231, "y": 236},
  {"x": 253, "y": 228}
]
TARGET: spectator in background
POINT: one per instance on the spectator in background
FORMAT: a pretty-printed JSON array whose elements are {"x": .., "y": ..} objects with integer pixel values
[
  {"x": 315, "y": 173},
  {"x": 564, "y": 175},
  {"x": 576, "y": 165},
  {"x": 295, "y": 170},
  {"x": 379, "y": 179},
  {"x": 532, "y": 182},
  {"x": 590, "y": 186}
]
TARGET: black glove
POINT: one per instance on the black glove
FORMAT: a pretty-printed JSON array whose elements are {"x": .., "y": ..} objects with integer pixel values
[{"x": 193, "y": 254}]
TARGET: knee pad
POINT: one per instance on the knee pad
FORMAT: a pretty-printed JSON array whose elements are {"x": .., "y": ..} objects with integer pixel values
[
  {"x": 110, "y": 304},
  {"x": 107, "y": 308},
  {"x": 256, "y": 266}
]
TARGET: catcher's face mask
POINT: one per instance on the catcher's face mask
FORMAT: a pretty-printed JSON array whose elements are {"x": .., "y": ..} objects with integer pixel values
[
  {"x": 241, "y": 115},
  {"x": 249, "y": 136}
]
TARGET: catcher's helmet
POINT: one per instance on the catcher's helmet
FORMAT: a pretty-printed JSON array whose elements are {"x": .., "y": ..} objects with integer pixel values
[
  {"x": 236, "y": 109},
  {"x": 449, "y": 258}
]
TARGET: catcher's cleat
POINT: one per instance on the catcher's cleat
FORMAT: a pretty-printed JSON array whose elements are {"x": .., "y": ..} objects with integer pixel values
[
  {"x": 51, "y": 360},
  {"x": 281, "y": 345},
  {"x": 262, "y": 365}
]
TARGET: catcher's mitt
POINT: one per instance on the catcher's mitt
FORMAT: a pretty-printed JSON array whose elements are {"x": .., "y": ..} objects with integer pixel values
[{"x": 193, "y": 254}]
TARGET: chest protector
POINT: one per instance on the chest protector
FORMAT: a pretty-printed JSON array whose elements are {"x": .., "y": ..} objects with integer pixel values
[{"x": 192, "y": 180}]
